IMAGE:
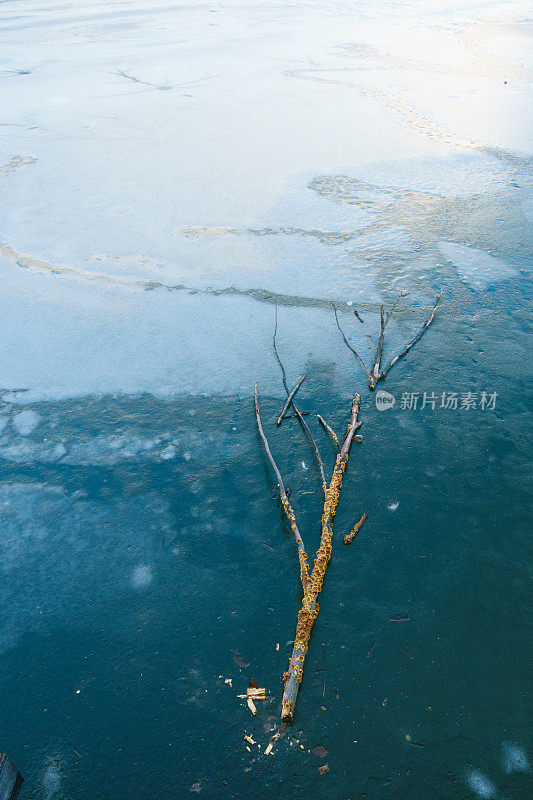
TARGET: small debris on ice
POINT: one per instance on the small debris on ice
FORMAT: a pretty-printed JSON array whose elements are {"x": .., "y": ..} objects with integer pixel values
[
  {"x": 393, "y": 506},
  {"x": 251, "y": 706},
  {"x": 400, "y": 617}
]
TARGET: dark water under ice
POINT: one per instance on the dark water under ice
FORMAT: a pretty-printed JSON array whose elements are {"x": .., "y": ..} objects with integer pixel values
[{"x": 145, "y": 560}]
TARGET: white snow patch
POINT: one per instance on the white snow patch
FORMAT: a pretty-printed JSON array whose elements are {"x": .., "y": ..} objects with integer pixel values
[
  {"x": 514, "y": 758},
  {"x": 142, "y": 577},
  {"x": 26, "y": 421},
  {"x": 476, "y": 267},
  {"x": 481, "y": 785},
  {"x": 168, "y": 453}
]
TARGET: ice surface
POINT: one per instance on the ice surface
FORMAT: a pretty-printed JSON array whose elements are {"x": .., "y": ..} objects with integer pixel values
[
  {"x": 326, "y": 156},
  {"x": 25, "y": 422},
  {"x": 478, "y": 268}
]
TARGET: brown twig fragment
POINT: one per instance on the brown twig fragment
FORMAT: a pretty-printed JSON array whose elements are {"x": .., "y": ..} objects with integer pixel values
[
  {"x": 289, "y": 400},
  {"x": 302, "y": 555},
  {"x": 330, "y": 430},
  {"x": 309, "y": 610},
  {"x": 348, "y": 539}
]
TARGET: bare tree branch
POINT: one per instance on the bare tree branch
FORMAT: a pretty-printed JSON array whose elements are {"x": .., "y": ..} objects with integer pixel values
[
  {"x": 302, "y": 555},
  {"x": 309, "y": 610}
]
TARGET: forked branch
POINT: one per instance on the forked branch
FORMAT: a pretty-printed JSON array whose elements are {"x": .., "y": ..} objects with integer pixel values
[
  {"x": 309, "y": 610},
  {"x": 377, "y": 373}
]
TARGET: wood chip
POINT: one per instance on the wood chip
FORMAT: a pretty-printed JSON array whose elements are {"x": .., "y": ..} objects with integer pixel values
[
  {"x": 249, "y": 739},
  {"x": 268, "y": 748},
  {"x": 256, "y": 693},
  {"x": 228, "y": 680},
  {"x": 323, "y": 769},
  {"x": 251, "y": 706}
]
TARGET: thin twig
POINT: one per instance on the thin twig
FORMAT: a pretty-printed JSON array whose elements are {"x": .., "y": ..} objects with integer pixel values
[
  {"x": 278, "y": 359},
  {"x": 297, "y": 412},
  {"x": 305, "y": 426},
  {"x": 355, "y": 530},
  {"x": 302, "y": 555},
  {"x": 330, "y": 430},
  {"x": 347, "y": 343},
  {"x": 413, "y": 341},
  {"x": 289, "y": 400}
]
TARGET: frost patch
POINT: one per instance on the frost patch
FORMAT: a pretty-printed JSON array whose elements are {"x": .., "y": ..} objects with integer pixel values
[
  {"x": 51, "y": 779},
  {"x": 481, "y": 785},
  {"x": 142, "y": 577},
  {"x": 514, "y": 758},
  {"x": 476, "y": 267},
  {"x": 168, "y": 453},
  {"x": 26, "y": 421}
]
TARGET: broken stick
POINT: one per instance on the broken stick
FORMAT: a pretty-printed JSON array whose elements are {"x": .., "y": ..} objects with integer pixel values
[{"x": 348, "y": 539}]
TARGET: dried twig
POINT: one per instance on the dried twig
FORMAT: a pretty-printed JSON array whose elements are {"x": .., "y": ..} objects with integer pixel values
[
  {"x": 347, "y": 343},
  {"x": 302, "y": 555},
  {"x": 330, "y": 430},
  {"x": 289, "y": 400},
  {"x": 348, "y": 539}
]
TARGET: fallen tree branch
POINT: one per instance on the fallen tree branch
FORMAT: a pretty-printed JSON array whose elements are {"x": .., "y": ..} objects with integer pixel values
[
  {"x": 309, "y": 610},
  {"x": 302, "y": 555}
]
